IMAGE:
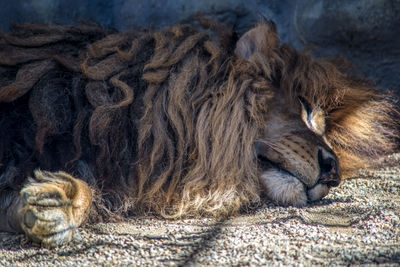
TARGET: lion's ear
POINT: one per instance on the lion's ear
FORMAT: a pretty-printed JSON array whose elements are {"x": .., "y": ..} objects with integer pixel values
[{"x": 262, "y": 39}]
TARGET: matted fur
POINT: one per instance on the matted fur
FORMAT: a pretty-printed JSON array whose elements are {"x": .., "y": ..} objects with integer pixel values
[{"x": 165, "y": 121}]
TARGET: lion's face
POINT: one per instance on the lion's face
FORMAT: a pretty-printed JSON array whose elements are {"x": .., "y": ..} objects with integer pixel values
[{"x": 296, "y": 161}]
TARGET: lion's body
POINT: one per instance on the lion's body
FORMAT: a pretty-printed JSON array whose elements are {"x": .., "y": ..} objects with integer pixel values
[
  {"x": 141, "y": 128},
  {"x": 166, "y": 121}
]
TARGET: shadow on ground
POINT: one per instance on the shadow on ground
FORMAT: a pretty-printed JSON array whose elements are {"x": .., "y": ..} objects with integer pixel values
[{"x": 359, "y": 223}]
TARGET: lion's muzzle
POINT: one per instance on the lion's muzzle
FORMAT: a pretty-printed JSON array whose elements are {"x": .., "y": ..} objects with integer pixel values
[{"x": 297, "y": 169}]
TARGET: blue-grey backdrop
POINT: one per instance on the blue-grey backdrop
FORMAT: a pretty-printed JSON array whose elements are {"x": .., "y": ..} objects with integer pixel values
[{"x": 367, "y": 32}]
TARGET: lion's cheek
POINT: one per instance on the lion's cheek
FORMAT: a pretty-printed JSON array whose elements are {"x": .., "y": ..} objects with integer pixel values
[
  {"x": 283, "y": 188},
  {"x": 317, "y": 192}
]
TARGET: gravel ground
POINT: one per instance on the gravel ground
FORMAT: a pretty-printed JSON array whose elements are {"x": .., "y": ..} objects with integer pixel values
[{"x": 357, "y": 224}]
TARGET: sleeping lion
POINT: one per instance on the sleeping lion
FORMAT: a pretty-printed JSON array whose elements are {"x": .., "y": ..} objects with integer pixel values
[{"x": 97, "y": 124}]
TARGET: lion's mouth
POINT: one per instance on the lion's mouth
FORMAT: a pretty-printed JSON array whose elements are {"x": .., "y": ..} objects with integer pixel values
[
  {"x": 268, "y": 164},
  {"x": 287, "y": 188}
]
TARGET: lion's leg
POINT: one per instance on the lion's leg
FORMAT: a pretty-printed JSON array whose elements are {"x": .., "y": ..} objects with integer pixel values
[{"x": 51, "y": 207}]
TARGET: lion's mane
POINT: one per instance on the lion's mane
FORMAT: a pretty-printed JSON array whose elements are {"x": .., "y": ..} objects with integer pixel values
[{"x": 164, "y": 121}]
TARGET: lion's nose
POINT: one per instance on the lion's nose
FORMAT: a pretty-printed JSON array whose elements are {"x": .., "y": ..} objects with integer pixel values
[{"x": 329, "y": 168}]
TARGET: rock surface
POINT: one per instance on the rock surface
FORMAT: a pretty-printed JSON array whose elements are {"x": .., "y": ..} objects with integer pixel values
[
  {"x": 358, "y": 223},
  {"x": 367, "y": 32}
]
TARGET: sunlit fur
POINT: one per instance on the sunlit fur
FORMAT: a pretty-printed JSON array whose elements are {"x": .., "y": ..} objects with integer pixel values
[{"x": 166, "y": 121}]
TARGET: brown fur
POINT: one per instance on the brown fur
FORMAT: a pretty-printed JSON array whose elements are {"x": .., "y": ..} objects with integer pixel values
[{"x": 166, "y": 121}]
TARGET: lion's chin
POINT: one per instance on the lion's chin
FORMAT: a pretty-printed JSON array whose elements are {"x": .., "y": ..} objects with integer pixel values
[{"x": 285, "y": 189}]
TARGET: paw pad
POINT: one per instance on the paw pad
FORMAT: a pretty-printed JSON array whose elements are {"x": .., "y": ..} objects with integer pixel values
[{"x": 30, "y": 219}]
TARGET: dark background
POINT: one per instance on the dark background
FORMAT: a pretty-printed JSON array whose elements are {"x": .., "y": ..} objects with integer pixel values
[{"x": 367, "y": 32}]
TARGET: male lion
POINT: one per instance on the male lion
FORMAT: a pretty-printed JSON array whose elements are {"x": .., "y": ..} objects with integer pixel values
[{"x": 172, "y": 122}]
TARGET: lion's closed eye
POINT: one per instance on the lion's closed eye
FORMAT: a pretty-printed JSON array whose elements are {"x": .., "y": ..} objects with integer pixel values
[{"x": 313, "y": 117}]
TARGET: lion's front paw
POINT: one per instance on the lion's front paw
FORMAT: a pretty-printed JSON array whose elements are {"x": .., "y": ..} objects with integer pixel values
[{"x": 53, "y": 206}]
